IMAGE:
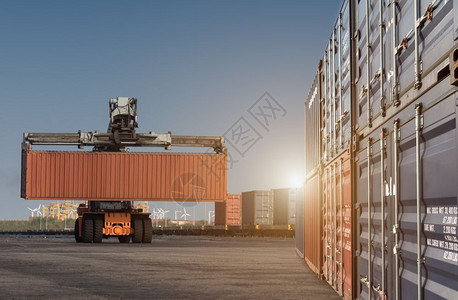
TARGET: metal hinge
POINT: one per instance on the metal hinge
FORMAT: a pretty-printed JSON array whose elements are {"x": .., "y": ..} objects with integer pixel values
[{"x": 355, "y": 143}]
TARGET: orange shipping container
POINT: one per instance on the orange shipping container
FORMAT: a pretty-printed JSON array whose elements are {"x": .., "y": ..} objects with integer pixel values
[
  {"x": 234, "y": 209},
  {"x": 117, "y": 176},
  {"x": 229, "y": 212},
  {"x": 337, "y": 225}
]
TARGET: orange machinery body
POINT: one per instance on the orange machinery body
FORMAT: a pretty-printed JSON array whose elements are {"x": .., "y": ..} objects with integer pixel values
[
  {"x": 126, "y": 225},
  {"x": 115, "y": 223}
]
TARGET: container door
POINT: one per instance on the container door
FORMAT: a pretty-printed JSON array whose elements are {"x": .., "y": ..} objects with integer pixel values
[
  {"x": 264, "y": 208},
  {"x": 337, "y": 237},
  {"x": 374, "y": 198},
  {"x": 428, "y": 244}
]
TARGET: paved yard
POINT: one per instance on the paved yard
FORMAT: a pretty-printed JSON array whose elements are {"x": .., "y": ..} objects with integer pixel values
[{"x": 172, "y": 267}]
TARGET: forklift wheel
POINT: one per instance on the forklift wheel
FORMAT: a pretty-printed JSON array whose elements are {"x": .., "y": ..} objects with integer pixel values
[
  {"x": 147, "y": 231},
  {"x": 98, "y": 229},
  {"x": 78, "y": 239},
  {"x": 88, "y": 229},
  {"x": 138, "y": 231}
]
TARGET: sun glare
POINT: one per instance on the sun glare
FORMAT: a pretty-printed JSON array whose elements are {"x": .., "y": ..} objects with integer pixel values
[{"x": 296, "y": 181}]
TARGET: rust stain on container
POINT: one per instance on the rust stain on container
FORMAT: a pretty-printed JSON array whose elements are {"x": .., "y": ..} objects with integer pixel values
[{"x": 114, "y": 176}]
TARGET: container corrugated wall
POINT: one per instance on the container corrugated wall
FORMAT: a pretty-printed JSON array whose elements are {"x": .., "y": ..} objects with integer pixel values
[
  {"x": 124, "y": 176},
  {"x": 313, "y": 126},
  {"x": 312, "y": 211},
  {"x": 257, "y": 208},
  {"x": 230, "y": 211},
  {"x": 336, "y": 111}
]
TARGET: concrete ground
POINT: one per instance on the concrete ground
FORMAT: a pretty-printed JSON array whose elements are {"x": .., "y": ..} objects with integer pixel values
[{"x": 172, "y": 267}]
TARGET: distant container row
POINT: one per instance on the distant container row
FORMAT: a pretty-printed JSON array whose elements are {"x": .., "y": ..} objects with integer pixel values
[{"x": 274, "y": 207}]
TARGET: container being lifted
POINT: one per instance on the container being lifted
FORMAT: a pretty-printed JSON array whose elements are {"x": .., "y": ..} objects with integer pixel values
[{"x": 109, "y": 178}]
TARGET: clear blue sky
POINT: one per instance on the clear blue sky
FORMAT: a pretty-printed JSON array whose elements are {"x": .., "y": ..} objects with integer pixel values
[{"x": 196, "y": 67}]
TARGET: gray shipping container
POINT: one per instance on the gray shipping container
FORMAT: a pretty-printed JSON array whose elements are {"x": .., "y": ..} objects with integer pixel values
[
  {"x": 389, "y": 92},
  {"x": 257, "y": 208},
  {"x": 285, "y": 206},
  {"x": 336, "y": 111},
  {"x": 413, "y": 185},
  {"x": 405, "y": 149},
  {"x": 313, "y": 127}
]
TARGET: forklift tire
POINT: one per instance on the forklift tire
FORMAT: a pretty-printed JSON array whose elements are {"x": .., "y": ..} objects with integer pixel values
[
  {"x": 78, "y": 239},
  {"x": 147, "y": 231},
  {"x": 138, "y": 231},
  {"x": 124, "y": 239},
  {"x": 98, "y": 229},
  {"x": 88, "y": 229}
]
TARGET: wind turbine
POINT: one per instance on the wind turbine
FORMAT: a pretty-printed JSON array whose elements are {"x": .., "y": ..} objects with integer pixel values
[
  {"x": 161, "y": 213},
  {"x": 165, "y": 216},
  {"x": 38, "y": 211},
  {"x": 185, "y": 214},
  {"x": 70, "y": 213},
  {"x": 153, "y": 213},
  {"x": 32, "y": 211}
]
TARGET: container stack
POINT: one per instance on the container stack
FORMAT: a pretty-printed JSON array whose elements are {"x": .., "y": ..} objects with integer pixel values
[
  {"x": 229, "y": 212},
  {"x": 275, "y": 207},
  {"x": 257, "y": 208},
  {"x": 380, "y": 204}
]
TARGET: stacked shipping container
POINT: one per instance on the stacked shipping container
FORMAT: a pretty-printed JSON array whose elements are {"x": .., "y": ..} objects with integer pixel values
[
  {"x": 120, "y": 176},
  {"x": 327, "y": 192},
  {"x": 230, "y": 211},
  {"x": 380, "y": 199},
  {"x": 257, "y": 208},
  {"x": 234, "y": 209},
  {"x": 274, "y": 207}
]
